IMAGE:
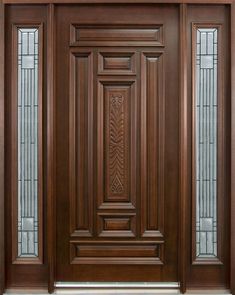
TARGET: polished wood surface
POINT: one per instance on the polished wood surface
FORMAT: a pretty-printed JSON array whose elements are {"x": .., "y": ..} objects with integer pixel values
[
  {"x": 2, "y": 149},
  {"x": 118, "y": 1},
  {"x": 22, "y": 273},
  {"x": 97, "y": 59},
  {"x": 117, "y": 145},
  {"x": 51, "y": 149},
  {"x": 184, "y": 151},
  {"x": 211, "y": 274},
  {"x": 232, "y": 209}
]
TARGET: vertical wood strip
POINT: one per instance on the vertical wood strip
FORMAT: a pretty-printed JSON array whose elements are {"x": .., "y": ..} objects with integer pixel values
[
  {"x": 2, "y": 203},
  {"x": 183, "y": 147},
  {"x": 232, "y": 270},
  {"x": 51, "y": 231}
]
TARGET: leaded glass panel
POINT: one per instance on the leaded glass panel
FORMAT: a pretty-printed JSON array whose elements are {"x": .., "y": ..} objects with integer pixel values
[
  {"x": 28, "y": 55},
  {"x": 206, "y": 141}
]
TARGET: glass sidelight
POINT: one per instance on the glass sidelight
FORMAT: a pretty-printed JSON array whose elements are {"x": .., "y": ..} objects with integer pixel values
[
  {"x": 207, "y": 135},
  {"x": 206, "y": 142},
  {"x": 28, "y": 140}
]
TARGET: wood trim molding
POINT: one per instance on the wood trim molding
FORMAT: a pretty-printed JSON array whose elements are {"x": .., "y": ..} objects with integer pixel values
[
  {"x": 51, "y": 235},
  {"x": 117, "y": 1},
  {"x": 2, "y": 201},
  {"x": 183, "y": 185},
  {"x": 232, "y": 259}
]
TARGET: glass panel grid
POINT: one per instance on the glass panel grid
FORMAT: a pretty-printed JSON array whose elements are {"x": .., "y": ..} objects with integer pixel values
[
  {"x": 28, "y": 142},
  {"x": 206, "y": 142}
]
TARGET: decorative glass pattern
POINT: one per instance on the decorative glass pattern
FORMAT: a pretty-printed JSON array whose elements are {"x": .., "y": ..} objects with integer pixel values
[
  {"x": 206, "y": 142},
  {"x": 28, "y": 142}
]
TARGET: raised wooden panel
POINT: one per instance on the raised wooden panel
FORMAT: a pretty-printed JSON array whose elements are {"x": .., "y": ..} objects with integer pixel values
[
  {"x": 80, "y": 144},
  {"x": 152, "y": 144},
  {"x": 116, "y": 224},
  {"x": 116, "y": 179},
  {"x": 116, "y": 252},
  {"x": 116, "y": 63},
  {"x": 116, "y": 35}
]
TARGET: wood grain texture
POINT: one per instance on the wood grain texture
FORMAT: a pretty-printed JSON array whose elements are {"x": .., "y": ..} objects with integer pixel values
[
  {"x": 116, "y": 136},
  {"x": 110, "y": 252},
  {"x": 117, "y": 1},
  {"x": 116, "y": 63},
  {"x": 184, "y": 159},
  {"x": 18, "y": 275},
  {"x": 116, "y": 225},
  {"x": 116, "y": 35},
  {"x": 81, "y": 144},
  {"x": 232, "y": 259},
  {"x": 51, "y": 232},
  {"x": 152, "y": 144},
  {"x": 2, "y": 148},
  {"x": 116, "y": 153}
]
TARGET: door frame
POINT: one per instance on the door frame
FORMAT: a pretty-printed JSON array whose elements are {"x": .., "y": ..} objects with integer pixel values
[{"x": 51, "y": 148}]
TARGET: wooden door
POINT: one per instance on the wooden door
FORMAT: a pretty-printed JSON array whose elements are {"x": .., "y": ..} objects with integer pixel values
[
  {"x": 117, "y": 143},
  {"x": 109, "y": 108}
]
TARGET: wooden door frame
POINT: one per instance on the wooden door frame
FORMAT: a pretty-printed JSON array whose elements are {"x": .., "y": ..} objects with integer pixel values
[{"x": 184, "y": 132}]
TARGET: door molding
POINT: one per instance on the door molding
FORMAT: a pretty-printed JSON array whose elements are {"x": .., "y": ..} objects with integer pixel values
[
  {"x": 2, "y": 147},
  {"x": 117, "y": 1},
  {"x": 232, "y": 258}
]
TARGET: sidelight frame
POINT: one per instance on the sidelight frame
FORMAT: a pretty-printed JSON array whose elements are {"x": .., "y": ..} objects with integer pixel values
[{"x": 184, "y": 135}]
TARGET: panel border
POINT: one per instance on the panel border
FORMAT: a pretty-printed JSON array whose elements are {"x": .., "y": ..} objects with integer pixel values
[
  {"x": 183, "y": 151},
  {"x": 144, "y": 196},
  {"x": 118, "y": 1},
  {"x": 158, "y": 260},
  {"x": 101, "y": 168},
  {"x": 2, "y": 147},
  {"x": 232, "y": 213},
  {"x": 51, "y": 148},
  {"x": 72, "y": 143}
]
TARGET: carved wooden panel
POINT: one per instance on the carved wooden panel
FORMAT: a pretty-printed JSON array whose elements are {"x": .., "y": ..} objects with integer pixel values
[
  {"x": 116, "y": 252},
  {"x": 116, "y": 35},
  {"x": 116, "y": 63},
  {"x": 116, "y": 224},
  {"x": 152, "y": 144},
  {"x": 116, "y": 143},
  {"x": 81, "y": 140}
]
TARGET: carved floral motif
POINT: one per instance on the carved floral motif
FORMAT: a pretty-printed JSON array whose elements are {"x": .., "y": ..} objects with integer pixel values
[{"x": 116, "y": 144}]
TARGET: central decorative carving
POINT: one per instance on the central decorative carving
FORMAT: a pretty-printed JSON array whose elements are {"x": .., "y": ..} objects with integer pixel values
[{"x": 116, "y": 144}]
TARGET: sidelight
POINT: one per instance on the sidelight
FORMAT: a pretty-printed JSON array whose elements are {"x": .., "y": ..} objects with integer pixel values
[
  {"x": 28, "y": 137},
  {"x": 205, "y": 141}
]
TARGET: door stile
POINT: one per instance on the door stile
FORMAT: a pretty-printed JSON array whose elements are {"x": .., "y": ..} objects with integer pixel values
[
  {"x": 184, "y": 139},
  {"x": 51, "y": 230},
  {"x": 232, "y": 258},
  {"x": 2, "y": 172}
]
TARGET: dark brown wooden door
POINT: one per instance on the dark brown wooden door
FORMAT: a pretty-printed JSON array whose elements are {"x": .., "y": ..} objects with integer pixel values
[{"x": 117, "y": 143}]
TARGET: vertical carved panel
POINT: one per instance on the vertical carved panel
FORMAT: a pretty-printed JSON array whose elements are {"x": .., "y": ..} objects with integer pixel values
[
  {"x": 116, "y": 144},
  {"x": 81, "y": 150},
  {"x": 152, "y": 144}
]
